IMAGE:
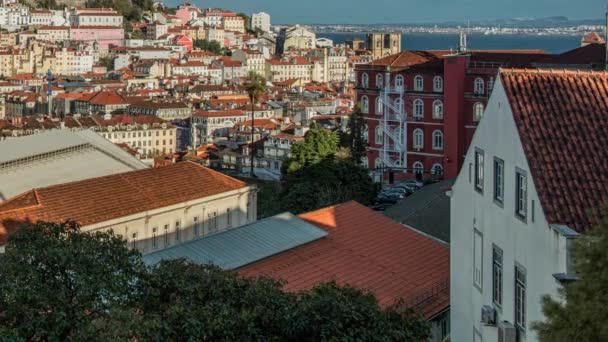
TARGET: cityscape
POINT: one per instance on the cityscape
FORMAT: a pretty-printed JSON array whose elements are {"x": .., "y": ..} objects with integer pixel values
[{"x": 176, "y": 172}]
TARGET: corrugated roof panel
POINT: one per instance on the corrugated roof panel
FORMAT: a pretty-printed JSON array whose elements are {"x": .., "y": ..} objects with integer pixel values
[{"x": 241, "y": 246}]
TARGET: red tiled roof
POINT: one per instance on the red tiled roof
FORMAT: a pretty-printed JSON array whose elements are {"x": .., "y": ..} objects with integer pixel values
[
  {"x": 431, "y": 59},
  {"x": 562, "y": 119},
  {"x": 104, "y": 198},
  {"x": 106, "y": 98},
  {"x": 590, "y": 55},
  {"x": 218, "y": 114},
  {"x": 368, "y": 251}
]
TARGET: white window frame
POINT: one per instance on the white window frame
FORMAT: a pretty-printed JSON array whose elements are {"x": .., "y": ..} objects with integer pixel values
[
  {"x": 499, "y": 180},
  {"x": 399, "y": 105},
  {"x": 379, "y": 105},
  {"x": 479, "y": 169},
  {"x": 399, "y": 81},
  {"x": 438, "y": 84},
  {"x": 437, "y": 135},
  {"x": 497, "y": 275},
  {"x": 418, "y": 138},
  {"x": 479, "y": 86},
  {"x": 478, "y": 259},
  {"x": 520, "y": 297},
  {"x": 435, "y": 168},
  {"x": 418, "y": 83},
  {"x": 418, "y": 167},
  {"x": 364, "y": 104},
  {"x": 521, "y": 194},
  {"x": 478, "y": 109},
  {"x": 364, "y": 80},
  {"x": 437, "y": 109},
  {"x": 379, "y": 135},
  {"x": 418, "y": 108},
  {"x": 379, "y": 81}
]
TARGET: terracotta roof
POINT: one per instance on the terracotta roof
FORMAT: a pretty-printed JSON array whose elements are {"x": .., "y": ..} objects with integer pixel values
[
  {"x": 368, "y": 251},
  {"x": 562, "y": 119},
  {"x": 218, "y": 114},
  {"x": 104, "y": 198},
  {"x": 591, "y": 55},
  {"x": 430, "y": 59},
  {"x": 105, "y": 98},
  {"x": 592, "y": 38}
]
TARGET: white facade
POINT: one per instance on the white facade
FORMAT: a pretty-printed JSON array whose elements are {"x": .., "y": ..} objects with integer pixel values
[
  {"x": 260, "y": 21},
  {"x": 482, "y": 224}
]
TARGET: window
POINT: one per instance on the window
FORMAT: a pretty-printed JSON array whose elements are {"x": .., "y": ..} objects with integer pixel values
[
  {"x": 437, "y": 109},
  {"x": 477, "y": 259},
  {"x": 364, "y": 104},
  {"x": 378, "y": 163},
  {"x": 366, "y": 133},
  {"x": 379, "y": 105},
  {"x": 399, "y": 106},
  {"x": 166, "y": 235},
  {"x": 499, "y": 180},
  {"x": 479, "y": 86},
  {"x": 197, "y": 227},
  {"x": 379, "y": 138},
  {"x": 438, "y": 84},
  {"x": 154, "y": 238},
  {"x": 213, "y": 221},
  {"x": 478, "y": 170},
  {"x": 477, "y": 111},
  {"x": 520, "y": 297},
  {"x": 364, "y": 80},
  {"x": 437, "y": 140},
  {"x": 399, "y": 82},
  {"x": 248, "y": 210},
  {"x": 418, "y": 138},
  {"x": 418, "y": 168},
  {"x": 521, "y": 194},
  {"x": 418, "y": 108},
  {"x": 228, "y": 218},
  {"x": 177, "y": 231},
  {"x": 418, "y": 83},
  {"x": 134, "y": 241},
  {"x": 379, "y": 81},
  {"x": 437, "y": 169},
  {"x": 497, "y": 275}
]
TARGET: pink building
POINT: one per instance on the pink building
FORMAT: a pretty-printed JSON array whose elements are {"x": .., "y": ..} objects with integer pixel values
[{"x": 106, "y": 36}]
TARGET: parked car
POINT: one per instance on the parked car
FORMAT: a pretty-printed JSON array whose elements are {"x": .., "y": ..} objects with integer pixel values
[
  {"x": 409, "y": 188},
  {"x": 389, "y": 198},
  {"x": 413, "y": 182},
  {"x": 401, "y": 191}
]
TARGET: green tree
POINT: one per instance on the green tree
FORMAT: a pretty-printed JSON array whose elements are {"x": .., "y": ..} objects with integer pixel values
[
  {"x": 107, "y": 61},
  {"x": 580, "y": 313},
  {"x": 355, "y": 137},
  {"x": 206, "y": 45},
  {"x": 59, "y": 284},
  {"x": 319, "y": 144},
  {"x": 255, "y": 87}
]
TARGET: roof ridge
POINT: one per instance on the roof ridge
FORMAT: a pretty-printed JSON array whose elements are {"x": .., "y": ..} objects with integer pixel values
[{"x": 551, "y": 71}]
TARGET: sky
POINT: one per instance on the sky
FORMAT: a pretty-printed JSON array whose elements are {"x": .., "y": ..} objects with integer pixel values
[{"x": 406, "y": 11}]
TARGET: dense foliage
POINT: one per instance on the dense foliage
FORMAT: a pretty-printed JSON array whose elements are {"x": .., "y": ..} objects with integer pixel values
[
  {"x": 206, "y": 45},
  {"x": 58, "y": 284},
  {"x": 580, "y": 313}
]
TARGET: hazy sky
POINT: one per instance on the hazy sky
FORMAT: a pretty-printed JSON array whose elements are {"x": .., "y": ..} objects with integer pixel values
[{"x": 408, "y": 11}]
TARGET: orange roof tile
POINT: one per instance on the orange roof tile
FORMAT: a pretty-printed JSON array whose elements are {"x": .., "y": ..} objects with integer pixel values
[
  {"x": 104, "y": 198},
  {"x": 553, "y": 109},
  {"x": 368, "y": 251}
]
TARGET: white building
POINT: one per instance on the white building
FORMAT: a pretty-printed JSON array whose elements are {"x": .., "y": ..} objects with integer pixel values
[
  {"x": 260, "y": 21},
  {"x": 95, "y": 17},
  {"x": 151, "y": 209},
  {"x": 209, "y": 125},
  {"x": 532, "y": 178},
  {"x": 253, "y": 59}
]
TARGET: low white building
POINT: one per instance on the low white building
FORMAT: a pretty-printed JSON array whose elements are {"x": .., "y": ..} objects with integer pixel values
[
  {"x": 151, "y": 209},
  {"x": 533, "y": 177},
  {"x": 213, "y": 124}
]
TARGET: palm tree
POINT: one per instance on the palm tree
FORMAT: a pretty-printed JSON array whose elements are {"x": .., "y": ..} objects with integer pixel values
[{"x": 256, "y": 87}]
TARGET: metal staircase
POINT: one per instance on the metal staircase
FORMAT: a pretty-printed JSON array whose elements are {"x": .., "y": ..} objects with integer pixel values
[{"x": 393, "y": 123}]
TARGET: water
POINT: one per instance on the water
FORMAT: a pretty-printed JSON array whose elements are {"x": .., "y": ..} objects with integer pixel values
[{"x": 440, "y": 41}]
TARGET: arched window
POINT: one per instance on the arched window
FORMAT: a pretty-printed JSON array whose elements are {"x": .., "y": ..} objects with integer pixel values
[
  {"x": 364, "y": 104},
  {"x": 399, "y": 82},
  {"x": 379, "y": 105},
  {"x": 366, "y": 133},
  {"x": 418, "y": 138},
  {"x": 379, "y": 138},
  {"x": 438, "y": 84},
  {"x": 399, "y": 106},
  {"x": 418, "y": 108},
  {"x": 437, "y": 169},
  {"x": 378, "y": 163},
  {"x": 364, "y": 80},
  {"x": 477, "y": 111},
  {"x": 437, "y": 140},
  {"x": 364, "y": 162},
  {"x": 479, "y": 87},
  {"x": 379, "y": 81},
  {"x": 438, "y": 109},
  {"x": 418, "y": 83},
  {"x": 418, "y": 168}
]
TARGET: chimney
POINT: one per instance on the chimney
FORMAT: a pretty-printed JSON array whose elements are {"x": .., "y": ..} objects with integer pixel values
[{"x": 462, "y": 41}]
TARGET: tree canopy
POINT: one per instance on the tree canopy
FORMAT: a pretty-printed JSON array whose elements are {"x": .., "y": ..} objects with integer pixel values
[
  {"x": 206, "y": 45},
  {"x": 58, "y": 283},
  {"x": 580, "y": 312}
]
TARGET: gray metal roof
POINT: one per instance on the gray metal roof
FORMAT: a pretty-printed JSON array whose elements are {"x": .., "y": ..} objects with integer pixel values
[
  {"x": 427, "y": 210},
  {"x": 241, "y": 246}
]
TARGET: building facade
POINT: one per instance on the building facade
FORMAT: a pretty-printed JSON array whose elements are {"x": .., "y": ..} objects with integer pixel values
[{"x": 260, "y": 21}]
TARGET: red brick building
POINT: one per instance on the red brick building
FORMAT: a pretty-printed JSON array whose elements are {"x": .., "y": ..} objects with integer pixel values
[{"x": 422, "y": 107}]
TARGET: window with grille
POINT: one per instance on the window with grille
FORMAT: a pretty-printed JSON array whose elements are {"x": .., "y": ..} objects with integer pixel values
[{"x": 497, "y": 275}]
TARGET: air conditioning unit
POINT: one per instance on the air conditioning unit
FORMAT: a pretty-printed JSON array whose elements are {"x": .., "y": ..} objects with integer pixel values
[
  {"x": 488, "y": 315},
  {"x": 507, "y": 332}
]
